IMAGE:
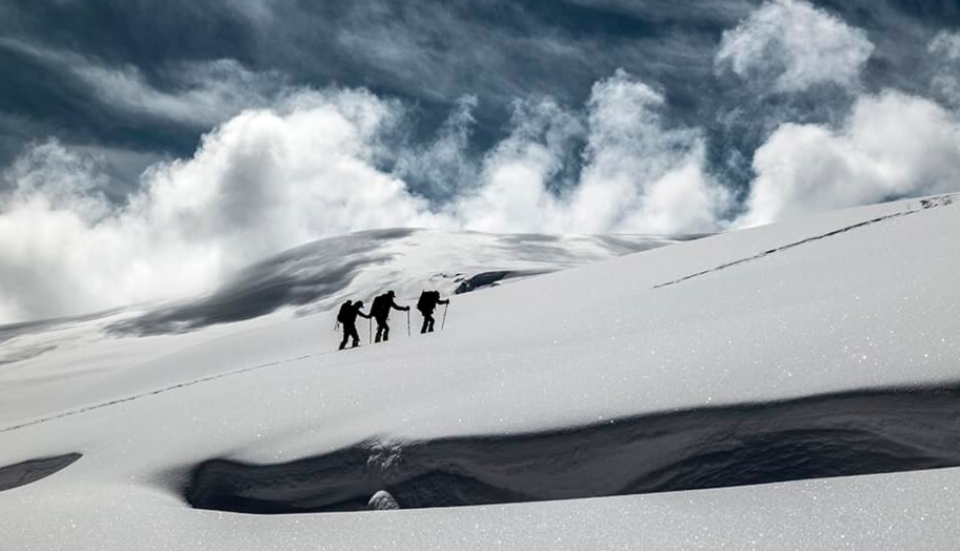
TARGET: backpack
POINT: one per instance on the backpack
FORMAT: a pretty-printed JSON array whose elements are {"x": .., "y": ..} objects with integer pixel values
[
  {"x": 428, "y": 301},
  {"x": 380, "y": 307},
  {"x": 344, "y": 313}
]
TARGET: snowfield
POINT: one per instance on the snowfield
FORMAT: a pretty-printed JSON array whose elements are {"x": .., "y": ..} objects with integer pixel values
[
  {"x": 794, "y": 386},
  {"x": 67, "y": 355}
]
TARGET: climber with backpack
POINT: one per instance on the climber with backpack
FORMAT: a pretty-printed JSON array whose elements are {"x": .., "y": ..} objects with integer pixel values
[
  {"x": 347, "y": 317},
  {"x": 426, "y": 305},
  {"x": 380, "y": 310}
]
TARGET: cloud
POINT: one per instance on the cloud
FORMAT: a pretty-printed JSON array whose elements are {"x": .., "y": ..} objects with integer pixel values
[
  {"x": 795, "y": 46},
  {"x": 945, "y": 50},
  {"x": 442, "y": 168},
  {"x": 516, "y": 174},
  {"x": 893, "y": 145},
  {"x": 55, "y": 195},
  {"x": 313, "y": 166},
  {"x": 946, "y": 44},
  {"x": 207, "y": 92},
  {"x": 822, "y": 151},
  {"x": 637, "y": 176},
  {"x": 199, "y": 94},
  {"x": 263, "y": 182},
  {"x": 712, "y": 11}
]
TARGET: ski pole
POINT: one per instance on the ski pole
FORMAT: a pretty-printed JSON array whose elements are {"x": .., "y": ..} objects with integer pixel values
[
  {"x": 369, "y": 330},
  {"x": 444, "y": 322}
]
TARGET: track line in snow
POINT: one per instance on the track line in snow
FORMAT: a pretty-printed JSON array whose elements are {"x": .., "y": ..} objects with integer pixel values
[
  {"x": 925, "y": 204},
  {"x": 184, "y": 384}
]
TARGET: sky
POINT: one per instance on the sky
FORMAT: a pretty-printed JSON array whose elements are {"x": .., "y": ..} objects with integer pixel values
[{"x": 149, "y": 149}]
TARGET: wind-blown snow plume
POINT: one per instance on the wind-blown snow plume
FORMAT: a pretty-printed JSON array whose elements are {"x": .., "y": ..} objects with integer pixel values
[
  {"x": 646, "y": 178},
  {"x": 886, "y": 145},
  {"x": 795, "y": 46},
  {"x": 515, "y": 175},
  {"x": 636, "y": 176},
  {"x": 893, "y": 145},
  {"x": 263, "y": 182}
]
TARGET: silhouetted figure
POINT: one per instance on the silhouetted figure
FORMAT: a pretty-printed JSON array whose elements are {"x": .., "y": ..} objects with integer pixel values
[
  {"x": 381, "y": 312},
  {"x": 427, "y": 304},
  {"x": 348, "y": 319}
]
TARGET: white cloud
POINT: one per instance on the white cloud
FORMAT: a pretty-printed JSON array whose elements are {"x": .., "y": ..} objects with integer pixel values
[
  {"x": 311, "y": 166},
  {"x": 514, "y": 193},
  {"x": 637, "y": 176},
  {"x": 208, "y": 92},
  {"x": 793, "y": 45},
  {"x": 56, "y": 195},
  {"x": 893, "y": 145},
  {"x": 263, "y": 182},
  {"x": 61, "y": 178},
  {"x": 271, "y": 179},
  {"x": 882, "y": 146}
]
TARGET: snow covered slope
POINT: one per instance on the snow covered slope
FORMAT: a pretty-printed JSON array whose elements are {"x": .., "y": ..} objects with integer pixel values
[
  {"x": 820, "y": 347},
  {"x": 46, "y": 365},
  {"x": 318, "y": 276}
]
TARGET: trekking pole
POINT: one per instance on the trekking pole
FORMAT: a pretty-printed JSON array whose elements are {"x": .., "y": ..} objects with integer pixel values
[
  {"x": 408, "y": 323},
  {"x": 444, "y": 322}
]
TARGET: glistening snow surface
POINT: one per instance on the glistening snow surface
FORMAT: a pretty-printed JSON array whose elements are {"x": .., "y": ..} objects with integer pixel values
[{"x": 850, "y": 300}]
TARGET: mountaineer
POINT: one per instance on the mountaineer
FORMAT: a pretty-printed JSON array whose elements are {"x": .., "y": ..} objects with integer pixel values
[
  {"x": 381, "y": 312},
  {"x": 427, "y": 304},
  {"x": 348, "y": 318}
]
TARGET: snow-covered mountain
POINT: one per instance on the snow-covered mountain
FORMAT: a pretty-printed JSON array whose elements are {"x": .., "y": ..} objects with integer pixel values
[{"x": 758, "y": 363}]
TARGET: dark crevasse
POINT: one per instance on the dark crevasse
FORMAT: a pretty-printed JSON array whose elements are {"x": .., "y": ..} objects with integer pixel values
[
  {"x": 28, "y": 472},
  {"x": 822, "y": 436}
]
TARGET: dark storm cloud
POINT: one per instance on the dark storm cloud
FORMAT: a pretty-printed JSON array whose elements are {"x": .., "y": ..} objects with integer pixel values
[
  {"x": 431, "y": 53},
  {"x": 901, "y": 30},
  {"x": 145, "y": 33},
  {"x": 46, "y": 42},
  {"x": 499, "y": 51}
]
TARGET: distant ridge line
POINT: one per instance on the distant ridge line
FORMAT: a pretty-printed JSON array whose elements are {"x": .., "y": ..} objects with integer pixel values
[{"x": 925, "y": 204}]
